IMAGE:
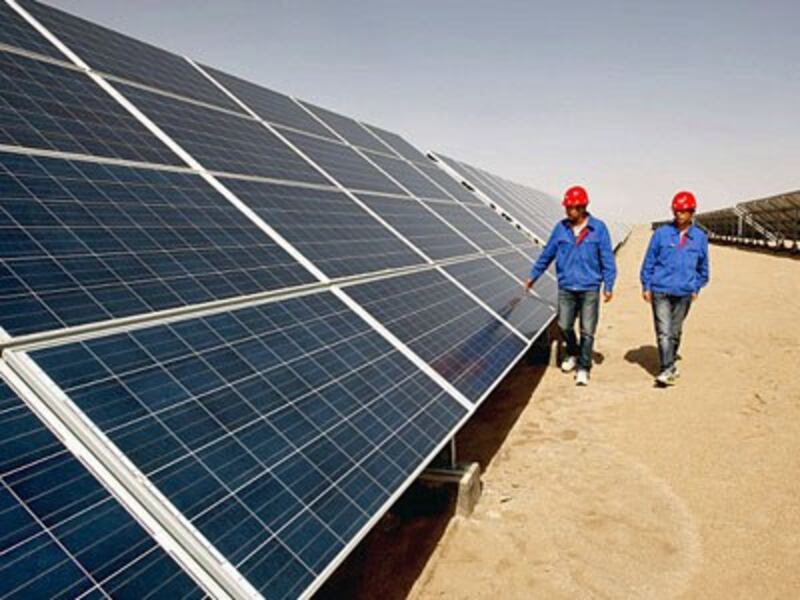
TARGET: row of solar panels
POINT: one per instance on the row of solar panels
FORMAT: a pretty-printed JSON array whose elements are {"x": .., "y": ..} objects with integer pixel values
[
  {"x": 773, "y": 221},
  {"x": 253, "y": 319}
]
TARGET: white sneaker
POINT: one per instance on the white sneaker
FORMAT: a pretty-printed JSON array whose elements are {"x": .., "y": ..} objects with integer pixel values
[
  {"x": 666, "y": 378},
  {"x": 582, "y": 377},
  {"x": 569, "y": 364}
]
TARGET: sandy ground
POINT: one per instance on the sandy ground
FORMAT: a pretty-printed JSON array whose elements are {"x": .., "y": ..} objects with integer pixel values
[{"x": 621, "y": 490}]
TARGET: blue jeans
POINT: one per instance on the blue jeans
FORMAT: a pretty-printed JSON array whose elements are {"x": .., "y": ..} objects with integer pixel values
[
  {"x": 570, "y": 306},
  {"x": 668, "y": 315}
]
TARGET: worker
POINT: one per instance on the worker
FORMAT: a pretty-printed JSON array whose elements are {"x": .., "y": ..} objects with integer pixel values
[
  {"x": 674, "y": 270},
  {"x": 581, "y": 247}
]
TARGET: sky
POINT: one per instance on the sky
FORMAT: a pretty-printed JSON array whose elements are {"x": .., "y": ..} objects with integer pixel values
[{"x": 634, "y": 100}]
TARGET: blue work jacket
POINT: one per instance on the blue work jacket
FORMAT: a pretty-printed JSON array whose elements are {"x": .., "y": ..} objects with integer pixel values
[
  {"x": 579, "y": 267},
  {"x": 673, "y": 269}
]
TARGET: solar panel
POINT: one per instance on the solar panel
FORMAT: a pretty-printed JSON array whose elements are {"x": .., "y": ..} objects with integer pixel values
[
  {"x": 468, "y": 225},
  {"x": 499, "y": 224},
  {"x": 419, "y": 225},
  {"x": 457, "y": 337},
  {"x": 43, "y": 105},
  {"x": 504, "y": 294},
  {"x": 533, "y": 209},
  {"x": 455, "y": 189},
  {"x": 348, "y": 128},
  {"x": 83, "y": 242},
  {"x": 16, "y": 32},
  {"x": 271, "y": 106},
  {"x": 520, "y": 265},
  {"x": 62, "y": 535},
  {"x": 343, "y": 164},
  {"x": 329, "y": 228},
  {"x": 122, "y": 56},
  {"x": 398, "y": 144},
  {"x": 407, "y": 176},
  {"x": 221, "y": 141},
  {"x": 277, "y": 430}
]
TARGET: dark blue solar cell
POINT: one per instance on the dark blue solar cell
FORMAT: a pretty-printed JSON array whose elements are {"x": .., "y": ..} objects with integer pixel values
[
  {"x": 330, "y": 229},
  {"x": 453, "y": 187},
  {"x": 405, "y": 174},
  {"x": 271, "y": 106},
  {"x": 46, "y": 106},
  {"x": 348, "y": 128},
  {"x": 278, "y": 430},
  {"x": 221, "y": 141},
  {"x": 117, "y": 54},
  {"x": 18, "y": 33},
  {"x": 469, "y": 225},
  {"x": 456, "y": 336},
  {"x": 504, "y": 294},
  {"x": 501, "y": 225},
  {"x": 150, "y": 240},
  {"x": 343, "y": 164},
  {"x": 424, "y": 228},
  {"x": 61, "y": 533}
]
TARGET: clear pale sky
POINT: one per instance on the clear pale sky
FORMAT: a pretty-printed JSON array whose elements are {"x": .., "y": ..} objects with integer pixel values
[{"x": 634, "y": 100}]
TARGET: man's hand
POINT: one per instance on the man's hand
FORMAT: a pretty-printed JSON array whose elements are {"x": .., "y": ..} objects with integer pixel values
[
  {"x": 694, "y": 297},
  {"x": 608, "y": 296},
  {"x": 647, "y": 295},
  {"x": 528, "y": 283}
]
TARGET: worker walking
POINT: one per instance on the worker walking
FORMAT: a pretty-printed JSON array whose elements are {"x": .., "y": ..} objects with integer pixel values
[
  {"x": 674, "y": 270},
  {"x": 581, "y": 247}
]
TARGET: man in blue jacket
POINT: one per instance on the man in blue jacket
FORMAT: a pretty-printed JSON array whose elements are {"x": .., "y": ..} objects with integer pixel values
[
  {"x": 674, "y": 271},
  {"x": 581, "y": 247}
]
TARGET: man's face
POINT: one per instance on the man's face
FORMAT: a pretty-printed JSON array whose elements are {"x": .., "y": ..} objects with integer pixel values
[
  {"x": 575, "y": 213},
  {"x": 683, "y": 217}
]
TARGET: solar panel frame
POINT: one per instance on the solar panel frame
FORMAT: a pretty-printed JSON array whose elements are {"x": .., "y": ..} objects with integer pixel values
[
  {"x": 398, "y": 144},
  {"x": 468, "y": 224},
  {"x": 348, "y": 129}
]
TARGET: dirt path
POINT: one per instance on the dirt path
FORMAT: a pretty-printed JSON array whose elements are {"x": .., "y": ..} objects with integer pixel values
[{"x": 621, "y": 490}]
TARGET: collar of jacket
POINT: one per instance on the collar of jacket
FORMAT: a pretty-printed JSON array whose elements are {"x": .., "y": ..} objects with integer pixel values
[
  {"x": 689, "y": 230},
  {"x": 590, "y": 222}
]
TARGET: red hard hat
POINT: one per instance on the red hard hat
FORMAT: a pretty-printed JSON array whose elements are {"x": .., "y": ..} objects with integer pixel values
[
  {"x": 576, "y": 196},
  {"x": 684, "y": 201}
]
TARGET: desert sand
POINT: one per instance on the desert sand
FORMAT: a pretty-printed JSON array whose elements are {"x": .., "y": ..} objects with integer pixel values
[{"x": 622, "y": 490}]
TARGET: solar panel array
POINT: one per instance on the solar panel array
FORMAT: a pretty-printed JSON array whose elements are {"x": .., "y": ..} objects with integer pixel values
[{"x": 259, "y": 317}]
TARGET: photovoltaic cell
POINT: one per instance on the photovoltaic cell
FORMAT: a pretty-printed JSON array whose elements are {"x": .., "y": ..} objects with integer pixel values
[
  {"x": 410, "y": 178},
  {"x": 117, "y": 54},
  {"x": 43, "y": 105},
  {"x": 278, "y": 430},
  {"x": 82, "y": 242},
  {"x": 221, "y": 141},
  {"x": 18, "y": 33},
  {"x": 398, "y": 144},
  {"x": 62, "y": 535},
  {"x": 503, "y": 294},
  {"x": 348, "y": 128},
  {"x": 420, "y": 226},
  {"x": 271, "y": 106},
  {"x": 468, "y": 224},
  {"x": 343, "y": 164},
  {"x": 330, "y": 229},
  {"x": 443, "y": 325}
]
